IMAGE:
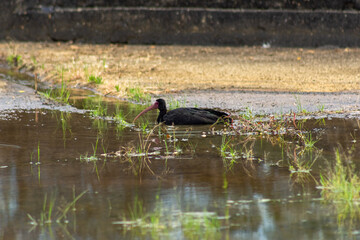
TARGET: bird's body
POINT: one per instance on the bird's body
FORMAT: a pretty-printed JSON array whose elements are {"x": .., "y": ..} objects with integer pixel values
[{"x": 185, "y": 116}]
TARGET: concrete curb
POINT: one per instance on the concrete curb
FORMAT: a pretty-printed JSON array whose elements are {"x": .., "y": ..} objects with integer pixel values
[{"x": 141, "y": 25}]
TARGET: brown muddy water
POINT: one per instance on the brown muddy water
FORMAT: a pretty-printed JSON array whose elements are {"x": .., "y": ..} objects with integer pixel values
[{"x": 61, "y": 179}]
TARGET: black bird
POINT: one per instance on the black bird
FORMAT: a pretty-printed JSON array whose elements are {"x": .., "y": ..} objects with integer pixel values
[{"x": 185, "y": 116}]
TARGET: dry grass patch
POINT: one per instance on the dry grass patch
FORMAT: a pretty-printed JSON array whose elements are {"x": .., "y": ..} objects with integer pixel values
[{"x": 159, "y": 69}]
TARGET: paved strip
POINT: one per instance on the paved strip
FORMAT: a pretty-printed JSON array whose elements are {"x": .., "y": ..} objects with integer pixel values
[{"x": 262, "y": 102}]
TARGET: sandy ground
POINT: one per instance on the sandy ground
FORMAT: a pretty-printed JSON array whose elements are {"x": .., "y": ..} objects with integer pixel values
[{"x": 265, "y": 79}]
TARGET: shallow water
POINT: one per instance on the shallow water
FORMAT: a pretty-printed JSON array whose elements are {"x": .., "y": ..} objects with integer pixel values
[{"x": 46, "y": 154}]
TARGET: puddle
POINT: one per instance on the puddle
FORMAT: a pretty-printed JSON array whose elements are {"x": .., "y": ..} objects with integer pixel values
[{"x": 75, "y": 175}]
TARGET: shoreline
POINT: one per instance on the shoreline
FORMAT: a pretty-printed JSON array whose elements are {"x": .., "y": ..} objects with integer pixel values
[{"x": 154, "y": 70}]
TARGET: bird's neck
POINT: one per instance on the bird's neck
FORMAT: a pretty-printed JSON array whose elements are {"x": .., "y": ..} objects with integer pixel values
[{"x": 161, "y": 115}]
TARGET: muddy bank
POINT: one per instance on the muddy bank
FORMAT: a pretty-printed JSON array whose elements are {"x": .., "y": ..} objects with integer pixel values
[{"x": 15, "y": 96}]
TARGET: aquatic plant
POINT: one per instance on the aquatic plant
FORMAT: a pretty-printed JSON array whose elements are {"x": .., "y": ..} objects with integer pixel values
[
  {"x": 64, "y": 121},
  {"x": 248, "y": 114},
  {"x": 302, "y": 159},
  {"x": 143, "y": 126},
  {"x": 93, "y": 157},
  {"x": 307, "y": 140},
  {"x": 228, "y": 154},
  {"x": 195, "y": 225},
  {"x": 99, "y": 112},
  {"x": 341, "y": 183},
  {"x": 138, "y": 95},
  {"x": 101, "y": 125},
  {"x": 225, "y": 141},
  {"x": 119, "y": 118},
  {"x": 201, "y": 225},
  {"x": 47, "y": 213},
  {"x": 138, "y": 156},
  {"x": 61, "y": 94},
  {"x": 37, "y": 163},
  {"x": 99, "y": 109}
]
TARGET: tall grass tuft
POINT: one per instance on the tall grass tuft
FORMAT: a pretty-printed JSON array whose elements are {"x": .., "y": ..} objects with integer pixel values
[
  {"x": 61, "y": 94},
  {"x": 341, "y": 184}
]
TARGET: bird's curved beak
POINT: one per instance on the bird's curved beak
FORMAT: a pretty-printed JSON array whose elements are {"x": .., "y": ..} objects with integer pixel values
[{"x": 152, "y": 107}]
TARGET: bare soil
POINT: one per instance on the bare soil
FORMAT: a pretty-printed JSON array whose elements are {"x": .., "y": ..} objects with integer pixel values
[{"x": 199, "y": 70}]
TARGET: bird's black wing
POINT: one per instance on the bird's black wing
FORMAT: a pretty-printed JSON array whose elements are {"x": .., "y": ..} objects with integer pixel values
[{"x": 192, "y": 116}]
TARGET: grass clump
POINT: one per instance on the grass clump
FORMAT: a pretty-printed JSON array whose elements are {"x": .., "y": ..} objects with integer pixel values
[
  {"x": 341, "y": 184},
  {"x": 201, "y": 225},
  {"x": 98, "y": 109},
  {"x": 302, "y": 159},
  {"x": 61, "y": 94},
  {"x": 194, "y": 225},
  {"x": 228, "y": 152},
  {"x": 119, "y": 118},
  {"x": 14, "y": 60},
  {"x": 48, "y": 214},
  {"x": 95, "y": 79}
]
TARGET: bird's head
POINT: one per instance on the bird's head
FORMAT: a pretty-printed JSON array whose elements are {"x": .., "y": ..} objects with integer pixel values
[{"x": 158, "y": 104}]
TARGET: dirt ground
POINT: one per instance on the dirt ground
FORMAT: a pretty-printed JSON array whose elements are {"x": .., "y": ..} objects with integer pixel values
[{"x": 191, "y": 70}]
